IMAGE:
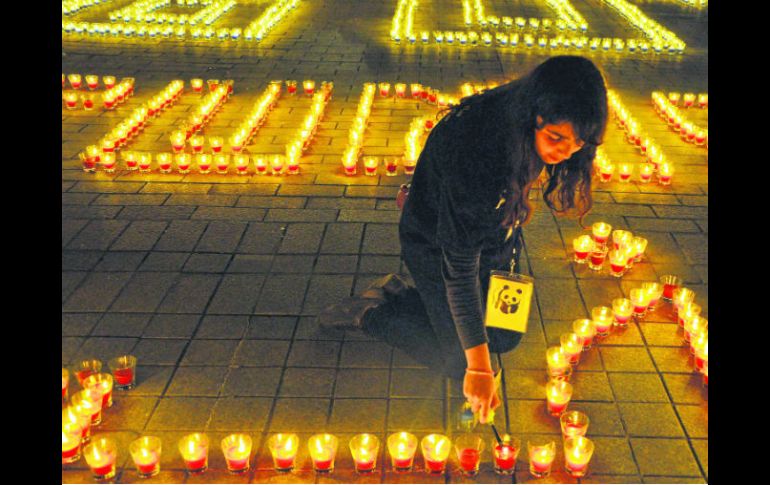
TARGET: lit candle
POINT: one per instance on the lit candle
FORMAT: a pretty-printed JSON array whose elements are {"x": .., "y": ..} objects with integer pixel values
[
  {"x": 670, "y": 284},
  {"x": 260, "y": 163},
  {"x": 618, "y": 260},
  {"x": 103, "y": 382},
  {"x": 665, "y": 172},
  {"x": 621, "y": 238},
  {"x": 91, "y": 400},
  {"x": 291, "y": 86},
  {"x": 572, "y": 346},
  {"x": 391, "y": 166},
  {"x": 505, "y": 454},
  {"x": 597, "y": 257},
  {"x": 109, "y": 99},
  {"x": 577, "y": 454},
  {"x": 700, "y": 137},
  {"x": 236, "y": 143},
  {"x": 221, "y": 161},
  {"x": 605, "y": 171},
  {"x": 674, "y": 98},
  {"x": 468, "y": 448},
  {"x": 213, "y": 84},
  {"x": 194, "y": 449},
  {"x": 689, "y": 99},
  {"x": 81, "y": 416},
  {"x": 558, "y": 363},
  {"x": 585, "y": 329},
  {"x": 276, "y": 163},
  {"x": 65, "y": 380},
  {"x": 164, "y": 162},
  {"x": 70, "y": 99},
  {"x": 654, "y": 290},
  {"x": 624, "y": 171},
  {"x": 124, "y": 371},
  {"x": 558, "y": 394},
  {"x": 435, "y": 452},
  {"x": 236, "y": 448},
  {"x": 601, "y": 232},
  {"x": 309, "y": 86},
  {"x": 370, "y": 166},
  {"x": 693, "y": 327},
  {"x": 640, "y": 246},
  {"x": 541, "y": 458},
  {"x": 384, "y": 89},
  {"x": 88, "y": 101},
  {"x": 687, "y": 312},
  {"x": 573, "y": 424},
  {"x": 75, "y": 81},
  {"x": 703, "y": 100},
  {"x": 178, "y": 139},
  {"x": 145, "y": 160},
  {"x": 197, "y": 85},
  {"x": 681, "y": 297},
  {"x": 109, "y": 82},
  {"x": 101, "y": 455},
  {"x": 622, "y": 309},
  {"x": 364, "y": 448},
  {"x": 401, "y": 89},
  {"x": 701, "y": 352},
  {"x": 401, "y": 447},
  {"x": 241, "y": 164},
  {"x": 92, "y": 81},
  {"x": 323, "y": 449},
  {"x": 196, "y": 142},
  {"x": 89, "y": 163},
  {"x": 283, "y": 448},
  {"x": 292, "y": 163},
  {"x": 602, "y": 317},
  {"x": 582, "y": 246},
  {"x": 70, "y": 442},
  {"x": 640, "y": 299},
  {"x": 85, "y": 368},
  {"x": 216, "y": 143},
  {"x": 145, "y": 452}
]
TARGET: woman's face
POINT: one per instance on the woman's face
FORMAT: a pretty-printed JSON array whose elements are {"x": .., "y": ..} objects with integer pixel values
[{"x": 556, "y": 142}]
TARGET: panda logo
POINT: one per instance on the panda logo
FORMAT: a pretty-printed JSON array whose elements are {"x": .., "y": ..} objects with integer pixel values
[{"x": 508, "y": 300}]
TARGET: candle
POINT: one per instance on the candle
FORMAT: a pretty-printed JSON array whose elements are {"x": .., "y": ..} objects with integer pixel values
[
  {"x": 391, "y": 166},
  {"x": 241, "y": 164},
  {"x": 283, "y": 448},
  {"x": 103, "y": 382},
  {"x": 622, "y": 308},
  {"x": 164, "y": 162},
  {"x": 605, "y": 171},
  {"x": 236, "y": 448},
  {"x": 309, "y": 87},
  {"x": 602, "y": 317},
  {"x": 702, "y": 354},
  {"x": 505, "y": 454},
  {"x": 196, "y": 142},
  {"x": 435, "y": 452},
  {"x": 674, "y": 98},
  {"x": 75, "y": 81},
  {"x": 577, "y": 453},
  {"x": 597, "y": 257},
  {"x": 585, "y": 329},
  {"x": 665, "y": 172},
  {"x": 261, "y": 164},
  {"x": 109, "y": 99},
  {"x": 291, "y": 86},
  {"x": 194, "y": 449},
  {"x": 572, "y": 346},
  {"x": 236, "y": 143},
  {"x": 689, "y": 99},
  {"x": 618, "y": 261},
  {"x": 558, "y": 394},
  {"x": 70, "y": 99},
  {"x": 645, "y": 172},
  {"x": 145, "y": 160},
  {"x": 573, "y": 424},
  {"x": 221, "y": 161},
  {"x": 89, "y": 163},
  {"x": 292, "y": 164},
  {"x": 415, "y": 89},
  {"x": 213, "y": 84},
  {"x": 401, "y": 447},
  {"x": 88, "y": 101},
  {"x": 698, "y": 332},
  {"x": 197, "y": 85},
  {"x": 670, "y": 284},
  {"x": 81, "y": 417},
  {"x": 686, "y": 313},
  {"x": 65, "y": 379},
  {"x": 621, "y": 238},
  {"x": 681, "y": 297},
  {"x": 601, "y": 231},
  {"x": 370, "y": 166},
  {"x": 323, "y": 449},
  {"x": 123, "y": 370},
  {"x": 384, "y": 89},
  {"x": 101, "y": 455},
  {"x": 401, "y": 89},
  {"x": 468, "y": 448},
  {"x": 364, "y": 448},
  {"x": 640, "y": 246},
  {"x": 70, "y": 442},
  {"x": 703, "y": 100},
  {"x": 109, "y": 82},
  {"x": 558, "y": 363},
  {"x": 276, "y": 163},
  {"x": 582, "y": 246},
  {"x": 93, "y": 154},
  {"x": 216, "y": 143},
  {"x": 91, "y": 400},
  {"x": 178, "y": 139},
  {"x": 624, "y": 172},
  {"x": 640, "y": 300},
  {"x": 541, "y": 458},
  {"x": 145, "y": 452}
]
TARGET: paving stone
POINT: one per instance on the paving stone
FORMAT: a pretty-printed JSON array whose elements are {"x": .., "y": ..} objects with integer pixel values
[
  {"x": 325, "y": 290},
  {"x": 282, "y": 294},
  {"x": 127, "y": 413},
  {"x": 686, "y": 388},
  {"x": 668, "y": 359},
  {"x": 626, "y": 359},
  {"x": 262, "y": 353},
  {"x": 302, "y": 239},
  {"x": 620, "y": 461},
  {"x": 650, "y": 420},
  {"x": 661, "y": 334},
  {"x": 122, "y": 325},
  {"x": 252, "y": 381},
  {"x": 151, "y": 380},
  {"x": 305, "y": 382},
  {"x": 181, "y": 413},
  {"x": 701, "y": 448},
  {"x": 309, "y": 329},
  {"x": 314, "y": 354},
  {"x": 591, "y": 386},
  {"x": 190, "y": 294},
  {"x": 210, "y": 352},
  {"x": 531, "y": 416},
  {"x": 637, "y": 387},
  {"x": 292, "y": 263},
  {"x": 120, "y": 261},
  {"x": 299, "y": 414},
  {"x": 380, "y": 264},
  {"x": 695, "y": 420},
  {"x": 240, "y": 414},
  {"x": 664, "y": 456},
  {"x": 139, "y": 236},
  {"x": 80, "y": 260},
  {"x": 207, "y": 263},
  {"x": 381, "y": 239},
  {"x": 361, "y": 383},
  {"x": 69, "y": 282},
  {"x": 236, "y": 294},
  {"x": 105, "y": 348},
  {"x": 605, "y": 419},
  {"x": 271, "y": 327},
  {"x": 416, "y": 383},
  {"x": 521, "y": 384},
  {"x": 197, "y": 381},
  {"x": 328, "y": 263},
  {"x": 261, "y": 238},
  {"x": 558, "y": 299},
  {"x": 248, "y": 263},
  {"x": 181, "y": 235},
  {"x": 342, "y": 238},
  {"x": 144, "y": 292},
  {"x": 415, "y": 415},
  {"x": 159, "y": 351},
  {"x": 98, "y": 235},
  {"x": 365, "y": 354},
  {"x": 78, "y": 324},
  {"x": 221, "y": 237}
]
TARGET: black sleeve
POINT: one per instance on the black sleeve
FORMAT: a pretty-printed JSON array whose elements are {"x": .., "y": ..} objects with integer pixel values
[{"x": 460, "y": 271}]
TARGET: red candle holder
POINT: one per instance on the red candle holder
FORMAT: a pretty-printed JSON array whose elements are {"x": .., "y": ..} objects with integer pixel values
[
  {"x": 391, "y": 166},
  {"x": 103, "y": 382},
  {"x": 323, "y": 450},
  {"x": 221, "y": 162},
  {"x": 577, "y": 453},
  {"x": 260, "y": 163},
  {"x": 291, "y": 87},
  {"x": 468, "y": 448},
  {"x": 541, "y": 458},
  {"x": 123, "y": 371},
  {"x": 164, "y": 162},
  {"x": 670, "y": 284},
  {"x": 85, "y": 368},
  {"x": 573, "y": 423},
  {"x": 90, "y": 401},
  {"x": 558, "y": 394},
  {"x": 622, "y": 308},
  {"x": 364, "y": 449},
  {"x": 283, "y": 448},
  {"x": 145, "y": 452},
  {"x": 597, "y": 257},
  {"x": 237, "y": 448},
  {"x": 70, "y": 442},
  {"x": 101, "y": 456},
  {"x": 585, "y": 329},
  {"x": 581, "y": 246},
  {"x": 75, "y": 80},
  {"x": 435, "y": 452},
  {"x": 194, "y": 449},
  {"x": 505, "y": 455}
]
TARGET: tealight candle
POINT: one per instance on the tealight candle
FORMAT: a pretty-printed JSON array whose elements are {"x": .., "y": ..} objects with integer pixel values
[
  {"x": 196, "y": 142},
  {"x": 582, "y": 246},
  {"x": 92, "y": 81},
  {"x": 145, "y": 160},
  {"x": 213, "y": 84},
  {"x": 605, "y": 172},
  {"x": 573, "y": 424},
  {"x": 89, "y": 165},
  {"x": 283, "y": 448},
  {"x": 654, "y": 290},
  {"x": 674, "y": 98},
  {"x": 558, "y": 362},
  {"x": 468, "y": 448},
  {"x": 164, "y": 162},
  {"x": 197, "y": 85},
  {"x": 89, "y": 399},
  {"x": 435, "y": 452},
  {"x": 577, "y": 453},
  {"x": 624, "y": 172},
  {"x": 585, "y": 329},
  {"x": 640, "y": 299},
  {"x": 291, "y": 86},
  {"x": 384, "y": 89},
  {"x": 694, "y": 326},
  {"x": 572, "y": 346},
  {"x": 618, "y": 261},
  {"x": 689, "y": 99},
  {"x": 370, "y": 166},
  {"x": 109, "y": 99},
  {"x": 70, "y": 442},
  {"x": 70, "y": 99},
  {"x": 93, "y": 154},
  {"x": 216, "y": 143},
  {"x": 670, "y": 284},
  {"x": 364, "y": 449},
  {"x": 602, "y": 317},
  {"x": 597, "y": 257},
  {"x": 236, "y": 143},
  {"x": 194, "y": 449},
  {"x": 81, "y": 416},
  {"x": 702, "y": 356},
  {"x": 178, "y": 139},
  {"x": 401, "y": 89},
  {"x": 505, "y": 454},
  {"x": 124, "y": 371},
  {"x": 85, "y": 368},
  {"x": 292, "y": 164},
  {"x": 682, "y": 296},
  {"x": 323, "y": 449},
  {"x": 703, "y": 100},
  {"x": 65, "y": 380},
  {"x": 700, "y": 137},
  {"x": 622, "y": 308},
  {"x": 687, "y": 311},
  {"x": 541, "y": 458},
  {"x": 260, "y": 163},
  {"x": 401, "y": 447},
  {"x": 145, "y": 452},
  {"x": 109, "y": 82},
  {"x": 415, "y": 89},
  {"x": 241, "y": 162},
  {"x": 601, "y": 232},
  {"x": 101, "y": 455},
  {"x": 665, "y": 172},
  {"x": 221, "y": 160},
  {"x": 75, "y": 80},
  {"x": 558, "y": 394},
  {"x": 309, "y": 87},
  {"x": 640, "y": 246},
  {"x": 103, "y": 382},
  {"x": 276, "y": 164},
  {"x": 236, "y": 448}
]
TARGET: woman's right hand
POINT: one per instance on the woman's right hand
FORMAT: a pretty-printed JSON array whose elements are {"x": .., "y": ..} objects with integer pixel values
[{"x": 479, "y": 389}]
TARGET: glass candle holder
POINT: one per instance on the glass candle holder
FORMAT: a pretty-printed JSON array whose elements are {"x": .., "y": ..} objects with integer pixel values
[
  {"x": 468, "y": 448},
  {"x": 654, "y": 290},
  {"x": 204, "y": 161},
  {"x": 109, "y": 161},
  {"x": 435, "y": 452},
  {"x": 70, "y": 99},
  {"x": 640, "y": 300},
  {"x": 283, "y": 448},
  {"x": 364, "y": 449},
  {"x": 505, "y": 454},
  {"x": 558, "y": 363},
  {"x": 291, "y": 86},
  {"x": 572, "y": 346},
  {"x": 220, "y": 161},
  {"x": 292, "y": 164},
  {"x": 640, "y": 246},
  {"x": 577, "y": 453},
  {"x": 85, "y": 368},
  {"x": 370, "y": 166},
  {"x": 602, "y": 317},
  {"x": 541, "y": 458},
  {"x": 92, "y": 81},
  {"x": 88, "y": 100},
  {"x": 621, "y": 238},
  {"x": 601, "y": 232},
  {"x": 409, "y": 166},
  {"x": 605, "y": 172},
  {"x": 686, "y": 312},
  {"x": 108, "y": 81},
  {"x": 582, "y": 246},
  {"x": 196, "y": 142},
  {"x": 260, "y": 164},
  {"x": 196, "y": 85},
  {"x": 402, "y": 446},
  {"x": 665, "y": 173},
  {"x": 144, "y": 160},
  {"x": 103, "y": 382},
  {"x": 558, "y": 394},
  {"x": 80, "y": 417},
  {"x": 178, "y": 139},
  {"x": 89, "y": 400},
  {"x": 241, "y": 162},
  {"x": 585, "y": 329},
  {"x": 618, "y": 262},
  {"x": 597, "y": 257},
  {"x": 164, "y": 162},
  {"x": 670, "y": 284},
  {"x": 124, "y": 371},
  {"x": 682, "y": 296},
  {"x": 145, "y": 451},
  {"x": 701, "y": 354},
  {"x": 70, "y": 442},
  {"x": 109, "y": 99},
  {"x": 384, "y": 89},
  {"x": 309, "y": 87},
  {"x": 695, "y": 326},
  {"x": 573, "y": 424},
  {"x": 622, "y": 308},
  {"x": 213, "y": 84},
  {"x": 323, "y": 450},
  {"x": 400, "y": 89},
  {"x": 76, "y": 81},
  {"x": 194, "y": 449},
  {"x": 101, "y": 455},
  {"x": 276, "y": 164},
  {"x": 415, "y": 89},
  {"x": 236, "y": 448},
  {"x": 391, "y": 166},
  {"x": 215, "y": 142},
  {"x": 624, "y": 172},
  {"x": 645, "y": 172}
]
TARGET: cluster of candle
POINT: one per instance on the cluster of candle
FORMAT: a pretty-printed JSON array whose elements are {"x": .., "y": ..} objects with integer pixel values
[
  {"x": 201, "y": 114},
  {"x": 404, "y": 9},
  {"x": 414, "y": 141},
  {"x": 119, "y": 93},
  {"x": 71, "y": 97},
  {"x": 254, "y": 120},
  {"x": 301, "y": 140},
  {"x": 356, "y": 133},
  {"x": 647, "y": 146},
  {"x": 667, "y": 108},
  {"x": 104, "y": 151},
  {"x": 695, "y": 3},
  {"x": 661, "y": 38},
  {"x": 143, "y": 12},
  {"x": 69, "y": 7},
  {"x": 567, "y": 14},
  {"x": 92, "y": 81},
  {"x": 694, "y": 326},
  {"x": 623, "y": 251},
  {"x": 270, "y": 18}
]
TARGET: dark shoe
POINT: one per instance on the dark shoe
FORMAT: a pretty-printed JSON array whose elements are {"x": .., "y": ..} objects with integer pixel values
[
  {"x": 347, "y": 314},
  {"x": 390, "y": 284}
]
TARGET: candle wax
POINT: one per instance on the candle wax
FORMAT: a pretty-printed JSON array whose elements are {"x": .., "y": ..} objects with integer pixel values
[
  {"x": 402, "y": 462},
  {"x": 323, "y": 465},
  {"x": 104, "y": 469},
  {"x": 196, "y": 464},
  {"x": 504, "y": 457},
  {"x": 147, "y": 464},
  {"x": 435, "y": 466},
  {"x": 576, "y": 467},
  {"x": 469, "y": 459},
  {"x": 540, "y": 467},
  {"x": 556, "y": 408},
  {"x": 581, "y": 254},
  {"x": 124, "y": 376},
  {"x": 365, "y": 466},
  {"x": 571, "y": 430},
  {"x": 284, "y": 463},
  {"x": 69, "y": 453}
]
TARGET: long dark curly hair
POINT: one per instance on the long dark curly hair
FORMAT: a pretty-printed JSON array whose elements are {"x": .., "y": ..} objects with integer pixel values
[{"x": 561, "y": 89}]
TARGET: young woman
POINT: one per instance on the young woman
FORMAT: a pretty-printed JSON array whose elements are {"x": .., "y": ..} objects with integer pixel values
[{"x": 463, "y": 216}]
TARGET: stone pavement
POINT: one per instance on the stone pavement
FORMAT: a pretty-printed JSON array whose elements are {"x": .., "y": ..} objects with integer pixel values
[{"x": 213, "y": 281}]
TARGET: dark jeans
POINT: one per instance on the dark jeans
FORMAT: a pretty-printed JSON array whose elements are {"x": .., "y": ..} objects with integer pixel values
[{"x": 419, "y": 321}]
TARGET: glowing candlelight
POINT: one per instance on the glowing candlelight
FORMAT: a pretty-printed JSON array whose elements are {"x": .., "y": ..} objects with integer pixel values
[
  {"x": 694, "y": 325},
  {"x": 145, "y": 160},
  {"x": 70, "y": 99},
  {"x": 505, "y": 454},
  {"x": 90, "y": 400},
  {"x": 260, "y": 163},
  {"x": 601, "y": 232},
  {"x": 384, "y": 89},
  {"x": 435, "y": 452},
  {"x": 109, "y": 99},
  {"x": 197, "y": 85},
  {"x": 670, "y": 284},
  {"x": 65, "y": 380},
  {"x": 178, "y": 139},
  {"x": 309, "y": 86},
  {"x": 221, "y": 160},
  {"x": 164, "y": 162},
  {"x": 415, "y": 89},
  {"x": 597, "y": 257},
  {"x": 640, "y": 246},
  {"x": 283, "y": 448},
  {"x": 196, "y": 142},
  {"x": 103, "y": 382},
  {"x": 213, "y": 84},
  {"x": 349, "y": 163},
  {"x": 665, "y": 172},
  {"x": 364, "y": 449},
  {"x": 92, "y": 81},
  {"x": 573, "y": 424},
  {"x": 145, "y": 452},
  {"x": 468, "y": 448},
  {"x": 703, "y": 100},
  {"x": 370, "y": 166},
  {"x": 624, "y": 171},
  {"x": 585, "y": 329},
  {"x": 75, "y": 80},
  {"x": 618, "y": 260},
  {"x": 236, "y": 448},
  {"x": 541, "y": 458},
  {"x": 101, "y": 455},
  {"x": 276, "y": 164},
  {"x": 216, "y": 143},
  {"x": 124, "y": 371},
  {"x": 558, "y": 394},
  {"x": 701, "y": 352},
  {"x": 391, "y": 166},
  {"x": 70, "y": 442},
  {"x": 640, "y": 300},
  {"x": 602, "y": 317},
  {"x": 622, "y": 308},
  {"x": 572, "y": 346},
  {"x": 577, "y": 453},
  {"x": 81, "y": 417},
  {"x": 558, "y": 363},
  {"x": 194, "y": 449},
  {"x": 605, "y": 171},
  {"x": 291, "y": 86},
  {"x": 204, "y": 161},
  {"x": 323, "y": 449},
  {"x": 400, "y": 89},
  {"x": 582, "y": 246},
  {"x": 401, "y": 447},
  {"x": 85, "y": 368},
  {"x": 241, "y": 164},
  {"x": 681, "y": 297}
]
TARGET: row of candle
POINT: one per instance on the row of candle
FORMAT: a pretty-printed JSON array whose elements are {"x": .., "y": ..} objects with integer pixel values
[
  {"x": 626, "y": 249},
  {"x": 625, "y": 170},
  {"x": 69, "y": 7},
  {"x": 356, "y": 132},
  {"x": 203, "y": 163},
  {"x": 123, "y": 370},
  {"x": 252, "y": 122},
  {"x": 566, "y": 15},
  {"x": 201, "y": 114},
  {"x": 671, "y": 114},
  {"x": 304, "y": 135},
  {"x": 414, "y": 141},
  {"x": 694, "y": 327},
  {"x": 258, "y": 28},
  {"x": 651, "y": 29},
  {"x": 404, "y": 9},
  {"x": 92, "y": 81},
  {"x": 111, "y": 97},
  {"x": 695, "y": 3}
]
